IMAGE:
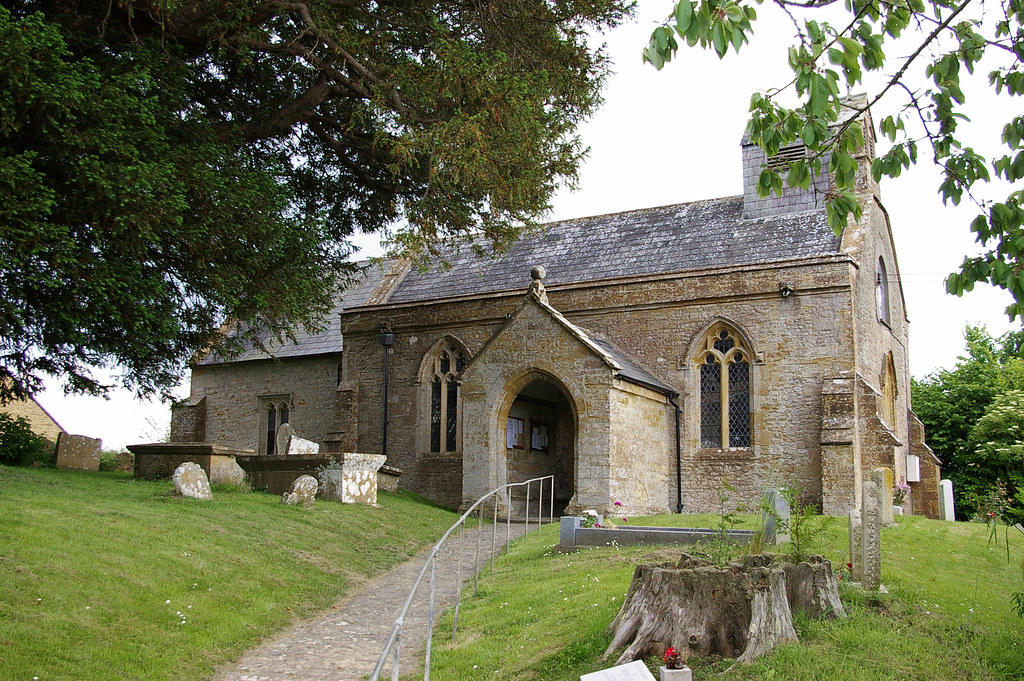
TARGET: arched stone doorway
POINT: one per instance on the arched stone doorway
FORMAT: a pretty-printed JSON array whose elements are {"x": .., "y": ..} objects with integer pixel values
[{"x": 540, "y": 439}]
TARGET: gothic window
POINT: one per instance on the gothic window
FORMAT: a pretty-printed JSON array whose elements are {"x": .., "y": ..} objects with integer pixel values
[
  {"x": 275, "y": 412},
  {"x": 724, "y": 365},
  {"x": 882, "y": 292},
  {"x": 444, "y": 399}
]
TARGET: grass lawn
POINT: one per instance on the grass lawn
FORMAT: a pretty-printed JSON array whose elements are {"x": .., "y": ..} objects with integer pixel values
[
  {"x": 106, "y": 577},
  {"x": 545, "y": 615}
]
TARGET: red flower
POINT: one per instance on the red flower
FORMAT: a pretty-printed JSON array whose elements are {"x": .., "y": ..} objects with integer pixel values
[{"x": 849, "y": 565}]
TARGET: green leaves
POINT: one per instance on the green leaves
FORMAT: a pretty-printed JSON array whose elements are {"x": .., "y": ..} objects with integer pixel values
[{"x": 167, "y": 166}]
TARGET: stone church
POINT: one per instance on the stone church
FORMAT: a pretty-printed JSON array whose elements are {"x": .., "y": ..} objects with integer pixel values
[{"x": 641, "y": 357}]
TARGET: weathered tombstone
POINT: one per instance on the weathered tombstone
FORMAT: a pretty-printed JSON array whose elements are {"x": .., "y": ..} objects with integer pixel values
[
  {"x": 78, "y": 452},
  {"x": 567, "y": 530},
  {"x": 775, "y": 513},
  {"x": 883, "y": 478},
  {"x": 856, "y": 536},
  {"x": 351, "y": 478},
  {"x": 946, "y": 500},
  {"x": 300, "y": 447},
  {"x": 303, "y": 491},
  {"x": 871, "y": 542},
  {"x": 285, "y": 433},
  {"x": 190, "y": 481},
  {"x": 633, "y": 671}
]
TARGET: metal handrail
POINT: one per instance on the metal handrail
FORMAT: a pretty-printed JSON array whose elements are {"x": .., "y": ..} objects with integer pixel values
[{"x": 392, "y": 647}]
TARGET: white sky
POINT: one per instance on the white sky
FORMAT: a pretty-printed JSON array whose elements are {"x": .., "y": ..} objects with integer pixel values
[{"x": 673, "y": 136}]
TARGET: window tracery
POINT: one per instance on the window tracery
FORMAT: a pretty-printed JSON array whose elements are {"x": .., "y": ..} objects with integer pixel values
[
  {"x": 724, "y": 365},
  {"x": 444, "y": 398}
]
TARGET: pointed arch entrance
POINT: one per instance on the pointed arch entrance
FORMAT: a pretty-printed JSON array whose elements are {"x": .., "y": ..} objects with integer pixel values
[{"x": 538, "y": 423}]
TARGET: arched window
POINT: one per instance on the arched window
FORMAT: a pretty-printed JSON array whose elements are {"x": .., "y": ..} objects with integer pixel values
[
  {"x": 724, "y": 391},
  {"x": 444, "y": 399},
  {"x": 882, "y": 292},
  {"x": 275, "y": 413}
]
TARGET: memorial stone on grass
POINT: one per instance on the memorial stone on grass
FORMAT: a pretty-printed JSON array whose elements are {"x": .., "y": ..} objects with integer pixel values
[
  {"x": 302, "y": 493},
  {"x": 190, "y": 481},
  {"x": 871, "y": 541}
]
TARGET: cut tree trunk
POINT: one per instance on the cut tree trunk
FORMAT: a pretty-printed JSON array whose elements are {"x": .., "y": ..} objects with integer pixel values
[{"x": 742, "y": 610}]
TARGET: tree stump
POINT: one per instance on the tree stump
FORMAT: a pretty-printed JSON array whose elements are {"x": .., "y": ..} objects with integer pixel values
[{"x": 742, "y": 610}]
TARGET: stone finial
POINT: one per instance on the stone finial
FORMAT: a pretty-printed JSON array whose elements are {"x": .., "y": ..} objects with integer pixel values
[{"x": 537, "y": 291}]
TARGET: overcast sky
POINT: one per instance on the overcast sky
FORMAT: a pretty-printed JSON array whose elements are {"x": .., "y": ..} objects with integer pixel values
[{"x": 673, "y": 136}]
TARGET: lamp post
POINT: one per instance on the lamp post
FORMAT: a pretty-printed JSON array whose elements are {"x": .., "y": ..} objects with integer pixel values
[{"x": 386, "y": 337}]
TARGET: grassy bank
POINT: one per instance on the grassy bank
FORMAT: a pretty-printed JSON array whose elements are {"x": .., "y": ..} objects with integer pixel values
[
  {"x": 106, "y": 577},
  {"x": 947, "y": 615}
]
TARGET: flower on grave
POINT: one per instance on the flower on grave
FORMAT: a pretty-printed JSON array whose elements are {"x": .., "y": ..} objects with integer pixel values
[
  {"x": 899, "y": 492},
  {"x": 672, "y": 659},
  {"x": 618, "y": 503}
]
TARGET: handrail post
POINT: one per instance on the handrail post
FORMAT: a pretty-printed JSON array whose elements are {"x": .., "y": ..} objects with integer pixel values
[
  {"x": 526, "y": 530},
  {"x": 394, "y": 662},
  {"x": 494, "y": 531},
  {"x": 551, "y": 502},
  {"x": 476, "y": 560},
  {"x": 458, "y": 583},
  {"x": 540, "y": 502},
  {"x": 430, "y": 619}
]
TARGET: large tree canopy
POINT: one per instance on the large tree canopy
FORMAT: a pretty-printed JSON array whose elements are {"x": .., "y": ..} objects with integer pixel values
[
  {"x": 168, "y": 165},
  {"x": 920, "y": 51},
  {"x": 953, "y": 402}
]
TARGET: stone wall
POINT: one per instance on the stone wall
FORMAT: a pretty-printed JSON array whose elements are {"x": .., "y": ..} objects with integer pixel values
[
  {"x": 797, "y": 341},
  {"x": 39, "y": 420},
  {"x": 232, "y": 392},
  {"x": 642, "y": 451}
]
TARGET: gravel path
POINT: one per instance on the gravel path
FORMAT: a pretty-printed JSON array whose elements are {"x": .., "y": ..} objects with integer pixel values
[{"x": 345, "y": 643}]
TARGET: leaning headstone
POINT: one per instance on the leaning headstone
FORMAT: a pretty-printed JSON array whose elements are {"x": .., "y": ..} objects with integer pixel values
[
  {"x": 946, "y": 500},
  {"x": 775, "y": 513},
  {"x": 299, "y": 446},
  {"x": 78, "y": 452},
  {"x": 856, "y": 536},
  {"x": 190, "y": 481},
  {"x": 285, "y": 433},
  {"x": 302, "y": 493},
  {"x": 871, "y": 543},
  {"x": 883, "y": 478}
]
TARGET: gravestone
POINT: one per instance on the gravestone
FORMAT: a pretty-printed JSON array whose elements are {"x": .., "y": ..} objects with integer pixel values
[
  {"x": 78, "y": 452},
  {"x": 285, "y": 433},
  {"x": 883, "y": 478},
  {"x": 946, "y": 511},
  {"x": 871, "y": 542},
  {"x": 632, "y": 671},
  {"x": 190, "y": 481},
  {"x": 291, "y": 444},
  {"x": 302, "y": 493},
  {"x": 856, "y": 536},
  {"x": 350, "y": 478},
  {"x": 775, "y": 513}
]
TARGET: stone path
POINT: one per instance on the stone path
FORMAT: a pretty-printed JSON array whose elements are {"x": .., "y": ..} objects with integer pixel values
[{"x": 345, "y": 643}]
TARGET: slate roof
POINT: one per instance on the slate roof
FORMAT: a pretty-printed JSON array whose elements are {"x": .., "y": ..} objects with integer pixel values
[
  {"x": 329, "y": 340},
  {"x": 688, "y": 236},
  {"x": 631, "y": 371}
]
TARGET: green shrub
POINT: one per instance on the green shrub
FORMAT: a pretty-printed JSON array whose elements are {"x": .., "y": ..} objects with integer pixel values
[
  {"x": 19, "y": 446},
  {"x": 113, "y": 460}
]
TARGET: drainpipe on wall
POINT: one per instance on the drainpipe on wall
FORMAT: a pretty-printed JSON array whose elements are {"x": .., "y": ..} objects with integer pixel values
[
  {"x": 386, "y": 337},
  {"x": 679, "y": 463}
]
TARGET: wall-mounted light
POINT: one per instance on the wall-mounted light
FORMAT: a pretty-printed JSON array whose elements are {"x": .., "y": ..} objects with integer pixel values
[{"x": 786, "y": 289}]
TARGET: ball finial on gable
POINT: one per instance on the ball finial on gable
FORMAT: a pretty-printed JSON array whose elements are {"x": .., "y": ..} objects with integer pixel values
[{"x": 538, "y": 272}]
